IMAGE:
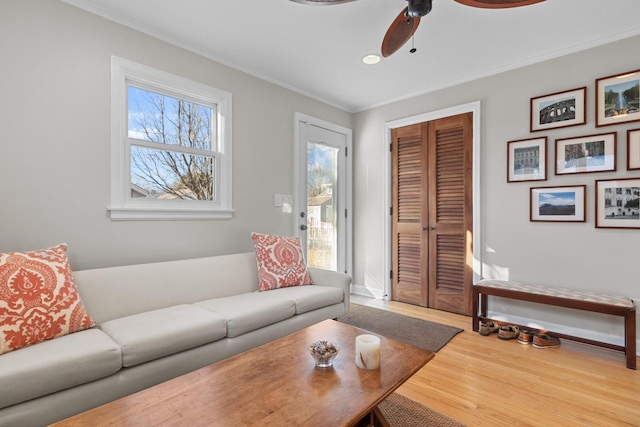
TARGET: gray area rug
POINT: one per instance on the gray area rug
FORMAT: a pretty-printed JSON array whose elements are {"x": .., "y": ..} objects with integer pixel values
[
  {"x": 420, "y": 333},
  {"x": 401, "y": 411}
]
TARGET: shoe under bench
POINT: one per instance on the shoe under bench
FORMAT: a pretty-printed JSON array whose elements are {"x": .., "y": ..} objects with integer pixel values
[{"x": 580, "y": 300}]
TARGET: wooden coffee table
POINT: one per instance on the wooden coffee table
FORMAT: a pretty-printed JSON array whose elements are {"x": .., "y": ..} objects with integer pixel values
[{"x": 276, "y": 384}]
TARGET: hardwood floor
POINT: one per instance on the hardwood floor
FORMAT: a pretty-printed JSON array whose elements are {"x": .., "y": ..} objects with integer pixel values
[{"x": 484, "y": 381}]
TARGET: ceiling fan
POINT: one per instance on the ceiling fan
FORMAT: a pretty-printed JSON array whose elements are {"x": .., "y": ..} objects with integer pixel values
[{"x": 406, "y": 23}]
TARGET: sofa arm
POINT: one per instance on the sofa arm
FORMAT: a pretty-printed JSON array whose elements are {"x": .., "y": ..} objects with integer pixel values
[{"x": 333, "y": 278}]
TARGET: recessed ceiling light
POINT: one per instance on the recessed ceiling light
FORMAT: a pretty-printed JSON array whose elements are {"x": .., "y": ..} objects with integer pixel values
[{"x": 371, "y": 59}]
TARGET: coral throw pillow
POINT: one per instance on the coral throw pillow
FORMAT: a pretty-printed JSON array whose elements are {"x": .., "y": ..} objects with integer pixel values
[
  {"x": 38, "y": 298},
  {"x": 280, "y": 262}
]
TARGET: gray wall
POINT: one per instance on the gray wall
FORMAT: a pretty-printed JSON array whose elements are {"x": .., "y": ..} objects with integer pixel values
[
  {"x": 55, "y": 156},
  {"x": 572, "y": 255}
]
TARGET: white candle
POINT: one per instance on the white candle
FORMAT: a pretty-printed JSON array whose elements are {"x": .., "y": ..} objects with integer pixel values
[{"x": 367, "y": 352}]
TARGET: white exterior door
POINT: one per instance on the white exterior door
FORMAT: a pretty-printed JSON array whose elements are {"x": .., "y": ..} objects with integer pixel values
[{"x": 322, "y": 194}]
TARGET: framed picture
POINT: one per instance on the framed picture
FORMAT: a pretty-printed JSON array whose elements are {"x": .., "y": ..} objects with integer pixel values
[
  {"x": 617, "y": 203},
  {"x": 591, "y": 153},
  {"x": 526, "y": 160},
  {"x": 633, "y": 149},
  {"x": 617, "y": 99},
  {"x": 558, "y": 204},
  {"x": 559, "y": 110}
]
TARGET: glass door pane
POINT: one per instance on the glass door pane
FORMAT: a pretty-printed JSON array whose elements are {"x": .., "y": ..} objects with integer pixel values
[{"x": 322, "y": 205}]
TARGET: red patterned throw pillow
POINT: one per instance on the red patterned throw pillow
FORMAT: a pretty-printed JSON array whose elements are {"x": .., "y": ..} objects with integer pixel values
[
  {"x": 38, "y": 298},
  {"x": 280, "y": 262}
]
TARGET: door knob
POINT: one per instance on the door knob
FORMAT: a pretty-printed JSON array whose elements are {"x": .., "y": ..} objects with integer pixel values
[{"x": 303, "y": 227}]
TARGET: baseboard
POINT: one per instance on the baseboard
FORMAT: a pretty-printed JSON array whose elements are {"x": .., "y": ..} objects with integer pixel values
[
  {"x": 362, "y": 290},
  {"x": 563, "y": 329}
]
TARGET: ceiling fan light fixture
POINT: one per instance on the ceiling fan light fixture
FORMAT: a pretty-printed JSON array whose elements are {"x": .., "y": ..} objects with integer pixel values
[
  {"x": 419, "y": 8},
  {"x": 371, "y": 59}
]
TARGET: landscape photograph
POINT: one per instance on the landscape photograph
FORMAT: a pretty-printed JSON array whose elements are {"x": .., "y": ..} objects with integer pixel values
[{"x": 557, "y": 203}]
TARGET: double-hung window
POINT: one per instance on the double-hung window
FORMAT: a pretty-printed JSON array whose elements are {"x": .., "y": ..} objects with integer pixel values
[{"x": 170, "y": 146}]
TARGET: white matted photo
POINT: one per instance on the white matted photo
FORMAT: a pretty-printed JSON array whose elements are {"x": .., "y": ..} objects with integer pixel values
[
  {"x": 558, "y": 110},
  {"x": 526, "y": 160},
  {"x": 558, "y": 204},
  {"x": 591, "y": 153},
  {"x": 617, "y": 99},
  {"x": 617, "y": 203}
]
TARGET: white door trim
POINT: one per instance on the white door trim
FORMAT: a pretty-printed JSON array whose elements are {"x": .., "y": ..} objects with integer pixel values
[
  {"x": 300, "y": 118},
  {"x": 473, "y": 107}
]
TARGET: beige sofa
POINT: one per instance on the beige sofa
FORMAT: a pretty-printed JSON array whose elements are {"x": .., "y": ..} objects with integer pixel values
[{"x": 155, "y": 322}]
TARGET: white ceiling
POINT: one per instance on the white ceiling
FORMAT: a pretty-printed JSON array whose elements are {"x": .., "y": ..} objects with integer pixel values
[{"x": 317, "y": 50}]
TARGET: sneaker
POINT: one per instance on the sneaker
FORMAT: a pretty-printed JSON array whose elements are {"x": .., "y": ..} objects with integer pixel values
[
  {"x": 487, "y": 328},
  {"x": 525, "y": 337},
  {"x": 545, "y": 341},
  {"x": 508, "y": 332}
]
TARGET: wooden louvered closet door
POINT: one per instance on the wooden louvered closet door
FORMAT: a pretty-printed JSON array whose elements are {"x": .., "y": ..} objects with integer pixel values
[
  {"x": 409, "y": 272},
  {"x": 432, "y": 216}
]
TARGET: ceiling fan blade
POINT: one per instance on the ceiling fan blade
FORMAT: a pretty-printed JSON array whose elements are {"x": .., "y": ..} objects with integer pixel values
[
  {"x": 498, "y": 4},
  {"x": 322, "y": 2},
  {"x": 400, "y": 31}
]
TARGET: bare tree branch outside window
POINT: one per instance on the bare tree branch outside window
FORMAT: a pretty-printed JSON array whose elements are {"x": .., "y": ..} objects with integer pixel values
[
  {"x": 319, "y": 172},
  {"x": 177, "y": 165}
]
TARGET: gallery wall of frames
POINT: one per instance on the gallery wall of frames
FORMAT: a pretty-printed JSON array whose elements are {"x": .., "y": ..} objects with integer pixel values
[{"x": 617, "y": 102}]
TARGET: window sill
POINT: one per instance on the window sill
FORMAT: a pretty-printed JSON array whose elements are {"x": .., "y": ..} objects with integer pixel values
[{"x": 167, "y": 214}]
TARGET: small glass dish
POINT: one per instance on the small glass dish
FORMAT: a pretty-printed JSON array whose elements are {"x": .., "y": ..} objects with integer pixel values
[{"x": 324, "y": 352}]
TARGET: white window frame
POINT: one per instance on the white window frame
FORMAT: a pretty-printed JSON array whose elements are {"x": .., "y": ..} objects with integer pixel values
[{"x": 123, "y": 206}]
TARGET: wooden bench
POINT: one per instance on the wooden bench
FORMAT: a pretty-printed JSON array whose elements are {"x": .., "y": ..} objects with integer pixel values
[{"x": 588, "y": 301}]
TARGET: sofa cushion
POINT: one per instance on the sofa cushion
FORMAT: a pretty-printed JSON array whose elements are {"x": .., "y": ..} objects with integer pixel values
[
  {"x": 38, "y": 298},
  {"x": 309, "y": 298},
  {"x": 248, "y": 312},
  {"x": 55, "y": 365},
  {"x": 154, "y": 334},
  {"x": 280, "y": 262}
]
